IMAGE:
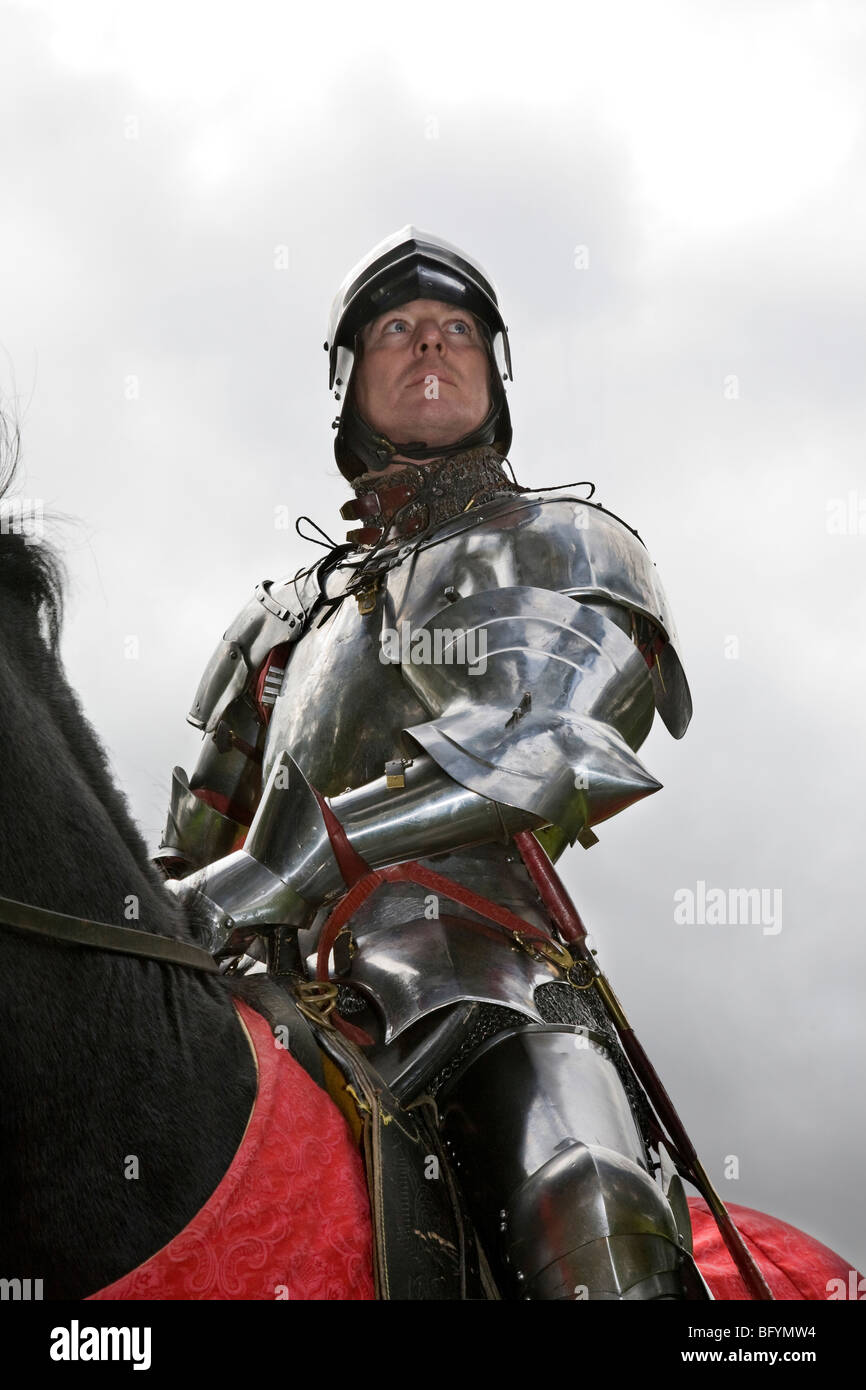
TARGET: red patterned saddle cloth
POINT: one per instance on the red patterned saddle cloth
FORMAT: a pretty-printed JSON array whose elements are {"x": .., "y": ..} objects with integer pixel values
[{"x": 291, "y": 1217}]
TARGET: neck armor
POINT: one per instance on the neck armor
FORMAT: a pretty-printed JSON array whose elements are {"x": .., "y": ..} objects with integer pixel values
[{"x": 414, "y": 499}]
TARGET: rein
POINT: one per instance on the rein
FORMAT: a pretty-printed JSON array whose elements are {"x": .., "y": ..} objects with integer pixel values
[{"x": 102, "y": 936}]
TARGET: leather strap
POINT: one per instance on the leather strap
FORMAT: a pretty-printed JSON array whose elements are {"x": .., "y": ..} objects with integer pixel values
[
  {"x": 102, "y": 936},
  {"x": 378, "y": 503},
  {"x": 275, "y": 1004},
  {"x": 556, "y": 899},
  {"x": 351, "y": 865},
  {"x": 413, "y": 872},
  {"x": 361, "y": 881}
]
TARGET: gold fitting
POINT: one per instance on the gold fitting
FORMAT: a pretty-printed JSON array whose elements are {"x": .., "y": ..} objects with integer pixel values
[
  {"x": 588, "y": 976},
  {"x": 545, "y": 950},
  {"x": 367, "y": 598},
  {"x": 613, "y": 1003},
  {"x": 394, "y": 774},
  {"x": 316, "y": 998}
]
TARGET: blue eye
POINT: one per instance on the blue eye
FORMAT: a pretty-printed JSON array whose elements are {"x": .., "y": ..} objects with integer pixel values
[
  {"x": 395, "y": 323},
  {"x": 461, "y": 323}
]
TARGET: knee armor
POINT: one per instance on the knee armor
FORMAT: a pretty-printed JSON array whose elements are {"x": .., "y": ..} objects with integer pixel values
[{"x": 557, "y": 1175}]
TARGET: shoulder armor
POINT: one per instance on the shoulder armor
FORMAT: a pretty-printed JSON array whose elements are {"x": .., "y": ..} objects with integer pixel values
[
  {"x": 556, "y": 541},
  {"x": 276, "y": 613}
]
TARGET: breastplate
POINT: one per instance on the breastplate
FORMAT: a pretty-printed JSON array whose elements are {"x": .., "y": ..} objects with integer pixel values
[
  {"x": 340, "y": 714},
  {"x": 341, "y": 710}
]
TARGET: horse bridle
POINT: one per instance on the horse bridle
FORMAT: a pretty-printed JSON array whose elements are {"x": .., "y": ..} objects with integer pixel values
[{"x": 102, "y": 936}]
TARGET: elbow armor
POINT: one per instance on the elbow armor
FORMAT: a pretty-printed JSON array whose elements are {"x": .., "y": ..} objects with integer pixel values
[{"x": 547, "y": 716}]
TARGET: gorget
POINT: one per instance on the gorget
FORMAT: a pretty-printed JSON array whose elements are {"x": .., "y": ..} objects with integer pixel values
[{"x": 415, "y": 498}]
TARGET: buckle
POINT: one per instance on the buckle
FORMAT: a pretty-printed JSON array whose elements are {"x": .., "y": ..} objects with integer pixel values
[
  {"x": 317, "y": 999},
  {"x": 367, "y": 597},
  {"x": 545, "y": 949}
]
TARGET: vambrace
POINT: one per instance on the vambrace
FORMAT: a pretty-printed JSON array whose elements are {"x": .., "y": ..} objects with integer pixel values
[
  {"x": 195, "y": 832},
  {"x": 287, "y": 867}
]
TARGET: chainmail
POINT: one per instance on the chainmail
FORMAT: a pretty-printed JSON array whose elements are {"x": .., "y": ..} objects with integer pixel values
[
  {"x": 350, "y": 1001},
  {"x": 444, "y": 488},
  {"x": 557, "y": 1003}
]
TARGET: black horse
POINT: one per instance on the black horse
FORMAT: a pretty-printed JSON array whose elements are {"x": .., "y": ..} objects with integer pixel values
[{"x": 104, "y": 1056}]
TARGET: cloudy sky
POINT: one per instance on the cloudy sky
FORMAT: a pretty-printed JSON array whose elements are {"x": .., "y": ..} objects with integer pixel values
[{"x": 671, "y": 200}]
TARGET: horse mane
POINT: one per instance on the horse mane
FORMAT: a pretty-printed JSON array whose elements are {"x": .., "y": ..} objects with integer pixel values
[
  {"x": 30, "y": 570},
  {"x": 98, "y": 855}
]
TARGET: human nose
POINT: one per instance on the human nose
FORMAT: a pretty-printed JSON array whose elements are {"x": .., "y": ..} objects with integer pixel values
[{"x": 429, "y": 336}]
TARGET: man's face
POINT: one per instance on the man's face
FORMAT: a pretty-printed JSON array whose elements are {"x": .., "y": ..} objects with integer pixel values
[{"x": 423, "y": 374}]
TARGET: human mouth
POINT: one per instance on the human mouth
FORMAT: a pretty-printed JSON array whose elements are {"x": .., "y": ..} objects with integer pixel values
[{"x": 428, "y": 377}]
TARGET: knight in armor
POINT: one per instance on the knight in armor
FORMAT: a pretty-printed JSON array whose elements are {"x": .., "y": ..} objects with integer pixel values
[{"x": 477, "y": 661}]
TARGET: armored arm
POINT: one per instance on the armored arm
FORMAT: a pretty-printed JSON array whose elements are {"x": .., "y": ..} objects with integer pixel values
[
  {"x": 538, "y": 699},
  {"x": 210, "y": 812},
  {"x": 287, "y": 866}
]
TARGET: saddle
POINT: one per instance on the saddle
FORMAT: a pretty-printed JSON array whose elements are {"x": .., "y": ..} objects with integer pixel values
[{"x": 424, "y": 1245}]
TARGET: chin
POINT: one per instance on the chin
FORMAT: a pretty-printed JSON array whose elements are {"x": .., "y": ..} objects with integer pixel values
[{"x": 431, "y": 431}]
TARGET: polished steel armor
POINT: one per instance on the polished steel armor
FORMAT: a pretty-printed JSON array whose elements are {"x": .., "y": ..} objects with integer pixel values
[
  {"x": 508, "y": 665},
  {"x": 487, "y": 662},
  {"x": 548, "y": 728},
  {"x": 511, "y": 1119}
]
